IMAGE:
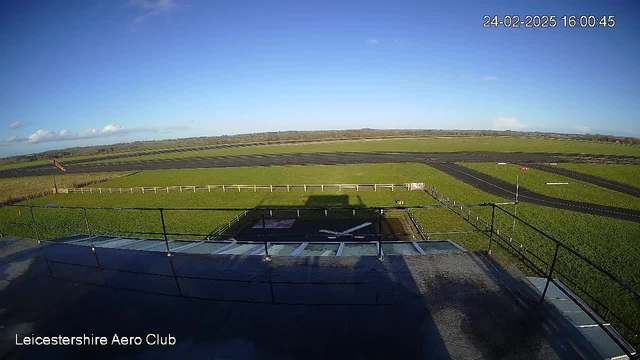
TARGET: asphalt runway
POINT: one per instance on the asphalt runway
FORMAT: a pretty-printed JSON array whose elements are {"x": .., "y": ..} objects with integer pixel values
[
  {"x": 290, "y": 159},
  {"x": 502, "y": 188},
  {"x": 609, "y": 184},
  {"x": 210, "y": 147},
  {"x": 606, "y": 183},
  {"x": 440, "y": 160}
]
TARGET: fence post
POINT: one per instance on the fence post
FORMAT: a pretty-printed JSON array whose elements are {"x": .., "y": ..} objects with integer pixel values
[
  {"x": 549, "y": 277},
  {"x": 164, "y": 231},
  {"x": 264, "y": 237},
  {"x": 86, "y": 222},
  {"x": 379, "y": 233},
  {"x": 33, "y": 221},
  {"x": 493, "y": 218}
]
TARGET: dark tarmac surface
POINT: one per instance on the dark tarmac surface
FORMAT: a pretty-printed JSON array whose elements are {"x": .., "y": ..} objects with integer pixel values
[
  {"x": 462, "y": 306},
  {"x": 440, "y": 160},
  {"x": 264, "y": 160},
  {"x": 296, "y": 159},
  {"x": 596, "y": 180},
  {"x": 502, "y": 188},
  {"x": 605, "y": 183}
]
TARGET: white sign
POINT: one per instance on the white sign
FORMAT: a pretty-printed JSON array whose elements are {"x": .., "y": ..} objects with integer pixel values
[{"x": 417, "y": 186}]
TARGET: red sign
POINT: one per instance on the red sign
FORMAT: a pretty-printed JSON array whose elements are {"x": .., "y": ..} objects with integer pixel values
[
  {"x": 524, "y": 168},
  {"x": 58, "y": 165}
]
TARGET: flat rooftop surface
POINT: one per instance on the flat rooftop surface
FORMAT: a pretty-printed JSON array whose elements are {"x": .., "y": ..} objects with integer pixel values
[{"x": 465, "y": 305}]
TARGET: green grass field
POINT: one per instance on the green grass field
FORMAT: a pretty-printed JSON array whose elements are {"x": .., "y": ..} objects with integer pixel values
[
  {"x": 317, "y": 174},
  {"x": 626, "y": 174},
  {"x": 42, "y": 162},
  {"x": 32, "y": 186},
  {"x": 437, "y": 144},
  {"x": 609, "y": 242},
  {"x": 535, "y": 180}
]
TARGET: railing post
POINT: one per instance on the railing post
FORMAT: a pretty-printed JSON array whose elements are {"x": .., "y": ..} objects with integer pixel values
[
  {"x": 264, "y": 238},
  {"x": 379, "y": 233},
  {"x": 164, "y": 231},
  {"x": 33, "y": 221},
  {"x": 493, "y": 219},
  {"x": 86, "y": 222},
  {"x": 549, "y": 277}
]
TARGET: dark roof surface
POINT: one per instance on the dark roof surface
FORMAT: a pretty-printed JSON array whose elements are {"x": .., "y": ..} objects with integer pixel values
[{"x": 463, "y": 306}]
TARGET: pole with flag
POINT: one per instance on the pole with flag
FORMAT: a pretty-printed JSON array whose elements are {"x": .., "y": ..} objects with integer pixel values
[{"x": 61, "y": 168}]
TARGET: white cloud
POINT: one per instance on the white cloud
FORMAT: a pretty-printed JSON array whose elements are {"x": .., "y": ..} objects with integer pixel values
[
  {"x": 151, "y": 8},
  {"x": 507, "y": 123},
  {"x": 14, "y": 139},
  {"x": 581, "y": 128},
  {"x": 372, "y": 41},
  {"x": 489, "y": 78},
  {"x": 17, "y": 124},
  {"x": 41, "y": 135}
]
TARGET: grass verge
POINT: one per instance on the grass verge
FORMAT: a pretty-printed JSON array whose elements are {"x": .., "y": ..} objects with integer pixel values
[
  {"x": 626, "y": 174},
  {"x": 535, "y": 180},
  {"x": 437, "y": 144},
  {"x": 609, "y": 242},
  {"x": 16, "y": 189}
]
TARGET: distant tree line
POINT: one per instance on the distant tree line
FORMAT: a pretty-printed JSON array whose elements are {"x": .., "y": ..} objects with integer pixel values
[{"x": 296, "y": 135}]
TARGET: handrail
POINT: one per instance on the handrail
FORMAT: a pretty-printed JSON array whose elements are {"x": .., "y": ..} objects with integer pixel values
[
  {"x": 458, "y": 208},
  {"x": 574, "y": 252},
  {"x": 529, "y": 263}
]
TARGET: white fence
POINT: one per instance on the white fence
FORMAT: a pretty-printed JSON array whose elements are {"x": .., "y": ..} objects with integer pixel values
[{"x": 239, "y": 188}]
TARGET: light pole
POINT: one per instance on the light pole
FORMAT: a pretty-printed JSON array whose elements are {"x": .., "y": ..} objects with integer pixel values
[{"x": 515, "y": 207}]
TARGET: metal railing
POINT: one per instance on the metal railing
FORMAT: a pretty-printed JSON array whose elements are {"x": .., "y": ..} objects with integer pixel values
[
  {"x": 417, "y": 225},
  {"x": 528, "y": 257},
  {"x": 228, "y": 226},
  {"x": 372, "y": 212}
]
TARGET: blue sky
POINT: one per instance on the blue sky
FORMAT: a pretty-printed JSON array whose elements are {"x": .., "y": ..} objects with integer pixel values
[{"x": 80, "y": 73}]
